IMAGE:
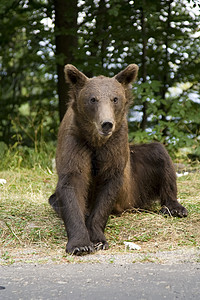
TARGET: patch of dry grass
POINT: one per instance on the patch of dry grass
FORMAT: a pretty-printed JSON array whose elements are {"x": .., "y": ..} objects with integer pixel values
[{"x": 29, "y": 227}]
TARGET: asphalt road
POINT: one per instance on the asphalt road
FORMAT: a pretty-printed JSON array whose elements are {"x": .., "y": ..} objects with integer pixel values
[{"x": 100, "y": 281}]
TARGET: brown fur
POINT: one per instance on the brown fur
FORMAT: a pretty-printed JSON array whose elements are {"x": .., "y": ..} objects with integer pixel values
[{"x": 98, "y": 172}]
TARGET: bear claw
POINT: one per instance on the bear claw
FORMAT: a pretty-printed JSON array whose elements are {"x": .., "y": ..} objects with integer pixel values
[
  {"x": 81, "y": 250},
  {"x": 101, "y": 246}
]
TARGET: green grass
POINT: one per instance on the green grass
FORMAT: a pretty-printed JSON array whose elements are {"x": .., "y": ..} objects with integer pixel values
[{"x": 30, "y": 228}]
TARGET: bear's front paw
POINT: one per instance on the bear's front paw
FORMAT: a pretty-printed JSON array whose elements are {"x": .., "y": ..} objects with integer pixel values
[
  {"x": 176, "y": 211},
  {"x": 79, "y": 250}
]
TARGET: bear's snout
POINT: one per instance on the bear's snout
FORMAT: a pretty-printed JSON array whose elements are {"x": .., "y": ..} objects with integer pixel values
[{"x": 107, "y": 127}]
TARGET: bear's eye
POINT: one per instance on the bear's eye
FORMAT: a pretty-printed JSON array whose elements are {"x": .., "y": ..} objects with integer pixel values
[
  {"x": 115, "y": 100},
  {"x": 93, "y": 100}
]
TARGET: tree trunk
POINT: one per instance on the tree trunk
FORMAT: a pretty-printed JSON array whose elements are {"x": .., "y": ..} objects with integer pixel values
[{"x": 66, "y": 13}]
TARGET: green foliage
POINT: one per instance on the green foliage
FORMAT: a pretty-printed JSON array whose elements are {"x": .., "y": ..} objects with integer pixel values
[
  {"x": 18, "y": 157},
  {"x": 160, "y": 36},
  {"x": 42, "y": 126},
  {"x": 27, "y": 67},
  {"x": 180, "y": 127}
]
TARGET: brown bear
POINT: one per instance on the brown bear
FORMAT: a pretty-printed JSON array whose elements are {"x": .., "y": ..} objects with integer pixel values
[{"x": 98, "y": 172}]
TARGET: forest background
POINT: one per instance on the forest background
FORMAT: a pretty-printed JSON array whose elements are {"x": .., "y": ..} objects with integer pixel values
[{"x": 38, "y": 37}]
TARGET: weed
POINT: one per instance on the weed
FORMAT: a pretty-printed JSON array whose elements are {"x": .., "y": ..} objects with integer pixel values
[
  {"x": 7, "y": 258},
  {"x": 111, "y": 260}
]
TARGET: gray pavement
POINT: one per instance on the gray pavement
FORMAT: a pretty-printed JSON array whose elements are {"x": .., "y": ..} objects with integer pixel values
[{"x": 100, "y": 281}]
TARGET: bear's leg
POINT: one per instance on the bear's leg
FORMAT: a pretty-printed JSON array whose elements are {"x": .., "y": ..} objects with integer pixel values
[
  {"x": 155, "y": 177},
  {"x": 105, "y": 200},
  {"x": 168, "y": 196},
  {"x": 53, "y": 201},
  {"x": 70, "y": 194}
]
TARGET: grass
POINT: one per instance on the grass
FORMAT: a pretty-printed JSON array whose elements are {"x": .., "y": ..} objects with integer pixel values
[{"x": 30, "y": 230}]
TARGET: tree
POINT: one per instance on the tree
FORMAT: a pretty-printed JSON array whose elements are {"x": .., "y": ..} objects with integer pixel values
[
  {"x": 66, "y": 13},
  {"x": 28, "y": 98}
]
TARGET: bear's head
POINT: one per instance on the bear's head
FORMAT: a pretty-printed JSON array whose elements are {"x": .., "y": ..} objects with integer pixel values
[{"x": 100, "y": 103}]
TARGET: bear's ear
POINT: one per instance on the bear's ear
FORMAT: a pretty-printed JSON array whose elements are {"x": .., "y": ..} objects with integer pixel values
[
  {"x": 74, "y": 76},
  {"x": 128, "y": 75}
]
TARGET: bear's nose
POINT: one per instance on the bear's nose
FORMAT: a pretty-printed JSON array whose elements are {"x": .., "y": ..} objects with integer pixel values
[{"x": 107, "y": 126}]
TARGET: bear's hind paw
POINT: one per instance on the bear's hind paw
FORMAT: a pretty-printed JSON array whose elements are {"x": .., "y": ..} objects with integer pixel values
[{"x": 177, "y": 211}]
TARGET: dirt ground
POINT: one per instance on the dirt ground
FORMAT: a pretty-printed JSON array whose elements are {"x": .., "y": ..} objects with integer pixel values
[{"x": 32, "y": 255}]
